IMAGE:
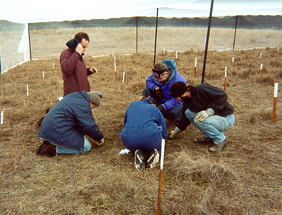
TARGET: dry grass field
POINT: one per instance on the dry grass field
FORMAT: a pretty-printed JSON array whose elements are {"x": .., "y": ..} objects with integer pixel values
[{"x": 244, "y": 178}]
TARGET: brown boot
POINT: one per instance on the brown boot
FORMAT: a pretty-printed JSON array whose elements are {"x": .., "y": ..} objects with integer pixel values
[
  {"x": 38, "y": 151},
  {"x": 48, "y": 149}
]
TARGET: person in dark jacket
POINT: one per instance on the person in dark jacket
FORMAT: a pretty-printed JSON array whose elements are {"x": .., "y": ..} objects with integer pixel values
[
  {"x": 73, "y": 67},
  {"x": 206, "y": 107},
  {"x": 144, "y": 129},
  {"x": 158, "y": 86},
  {"x": 64, "y": 127}
]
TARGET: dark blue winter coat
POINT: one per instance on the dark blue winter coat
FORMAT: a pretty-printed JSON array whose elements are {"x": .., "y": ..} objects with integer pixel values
[
  {"x": 168, "y": 102},
  {"x": 69, "y": 120},
  {"x": 144, "y": 127}
]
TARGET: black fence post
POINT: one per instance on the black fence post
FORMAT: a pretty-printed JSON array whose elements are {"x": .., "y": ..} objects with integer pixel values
[
  {"x": 30, "y": 56},
  {"x": 156, "y": 36},
  {"x": 136, "y": 34},
  {"x": 236, "y": 23},
  {"x": 207, "y": 42}
]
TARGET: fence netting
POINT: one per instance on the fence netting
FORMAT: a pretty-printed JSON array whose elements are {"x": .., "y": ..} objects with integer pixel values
[{"x": 130, "y": 35}]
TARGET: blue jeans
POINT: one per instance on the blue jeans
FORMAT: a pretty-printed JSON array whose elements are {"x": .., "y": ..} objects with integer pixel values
[
  {"x": 64, "y": 150},
  {"x": 213, "y": 126},
  {"x": 173, "y": 114},
  {"x": 145, "y": 139}
]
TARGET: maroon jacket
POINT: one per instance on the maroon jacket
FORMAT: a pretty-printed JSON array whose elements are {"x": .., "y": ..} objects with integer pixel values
[{"x": 74, "y": 72}]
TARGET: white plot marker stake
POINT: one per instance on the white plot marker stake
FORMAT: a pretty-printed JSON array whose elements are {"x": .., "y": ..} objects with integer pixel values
[
  {"x": 122, "y": 84},
  {"x": 2, "y": 117},
  {"x": 115, "y": 70},
  {"x": 161, "y": 176},
  {"x": 27, "y": 92},
  {"x": 275, "y": 95},
  {"x": 1, "y": 123},
  {"x": 195, "y": 68},
  {"x": 261, "y": 66},
  {"x": 225, "y": 75}
]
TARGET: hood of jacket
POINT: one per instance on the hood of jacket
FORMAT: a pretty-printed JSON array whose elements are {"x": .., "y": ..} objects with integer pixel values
[{"x": 172, "y": 66}]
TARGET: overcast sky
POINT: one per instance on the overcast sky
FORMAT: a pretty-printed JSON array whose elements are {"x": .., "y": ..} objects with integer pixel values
[{"x": 59, "y": 10}]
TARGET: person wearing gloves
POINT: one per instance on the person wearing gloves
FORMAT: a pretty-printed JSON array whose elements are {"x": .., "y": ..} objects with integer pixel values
[
  {"x": 64, "y": 127},
  {"x": 144, "y": 129},
  {"x": 206, "y": 107},
  {"x": 73, "y": 67},
  {"x": 158, "y": 87}
]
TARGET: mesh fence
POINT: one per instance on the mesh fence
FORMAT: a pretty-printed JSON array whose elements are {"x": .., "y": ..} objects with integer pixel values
[{"x": 136, "y": 34}]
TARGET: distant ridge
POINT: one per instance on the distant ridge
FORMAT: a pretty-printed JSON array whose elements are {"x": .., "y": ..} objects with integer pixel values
[{"x": 273, "y": 22}]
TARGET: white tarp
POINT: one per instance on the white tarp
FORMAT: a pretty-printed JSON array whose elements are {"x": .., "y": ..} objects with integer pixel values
[{"x": 24, "y": 44}]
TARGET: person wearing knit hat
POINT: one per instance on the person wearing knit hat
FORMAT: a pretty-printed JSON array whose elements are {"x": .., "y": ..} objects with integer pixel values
[
  {"x": 94, "y": 97},
  {"x": 64, "y": 127},
  {"x": 158, "y": 86},
  {"x": 207, "y": 108}
]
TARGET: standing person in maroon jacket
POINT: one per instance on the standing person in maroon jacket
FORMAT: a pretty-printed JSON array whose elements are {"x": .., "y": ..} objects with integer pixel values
[{"x": 73, "y": 67}]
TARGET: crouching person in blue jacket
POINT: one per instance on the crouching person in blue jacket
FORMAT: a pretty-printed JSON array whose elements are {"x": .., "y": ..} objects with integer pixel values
[
  {"x": 158, "y": 87},
  {"x": 144, "y": 129},
  {"x": 64, "y": 127}
]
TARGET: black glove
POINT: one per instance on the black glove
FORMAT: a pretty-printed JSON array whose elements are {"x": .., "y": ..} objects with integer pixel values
[
  {"x": 161, "y": 108},
  {"x": 158, "y": 94},
  {"x": 72, "y": 44}
]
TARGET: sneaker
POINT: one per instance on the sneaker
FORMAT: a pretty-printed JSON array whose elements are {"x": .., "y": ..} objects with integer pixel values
[
  {"x": 138, "y": 159},
  {"x": 203, "y": 140},
  {"x": 217, "y": 147},
  {"x": 153, "y": 159},
  {"x": 48, "y": 149}
]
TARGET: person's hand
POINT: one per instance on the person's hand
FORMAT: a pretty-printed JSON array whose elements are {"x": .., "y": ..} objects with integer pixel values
[
  {"x": 79, "y": 49},
  {"x": 93, "y": 70},
  {"x": 203, "y": 115},
  {"x": 158, "y": 94},
  {"x": 174, "y": 133},
  {"x": 100, "y": 142}
]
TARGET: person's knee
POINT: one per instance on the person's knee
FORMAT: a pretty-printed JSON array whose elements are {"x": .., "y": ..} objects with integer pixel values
[
  {"x": 174, "y": 114},
  {"x": 189, "y": 115},
  {"x": 197, "y": 123},
  {"x": 146, "y": 92}
]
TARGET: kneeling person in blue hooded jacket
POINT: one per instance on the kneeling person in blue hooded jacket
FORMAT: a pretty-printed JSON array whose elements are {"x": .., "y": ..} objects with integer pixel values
[
  {"x": 64, "y": 127},
  {"x": 158, "y": 86},
  {"x": 144, "y": 129}
]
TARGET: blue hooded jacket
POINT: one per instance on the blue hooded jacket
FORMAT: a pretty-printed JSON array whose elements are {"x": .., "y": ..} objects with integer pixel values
[
  {"x": 168, "y": 102},
  {"x": 69, "y": 120}
]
